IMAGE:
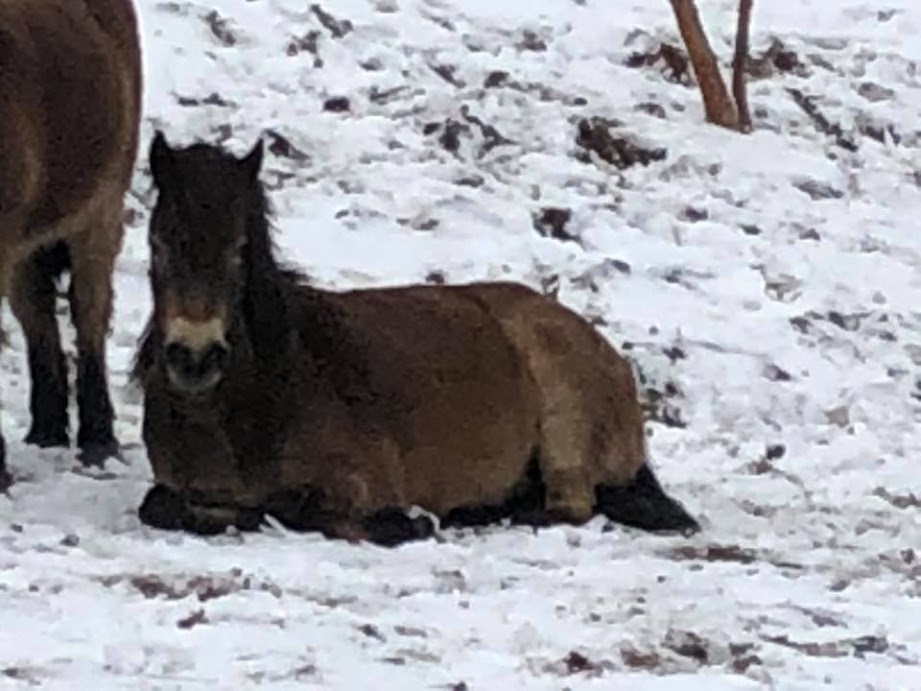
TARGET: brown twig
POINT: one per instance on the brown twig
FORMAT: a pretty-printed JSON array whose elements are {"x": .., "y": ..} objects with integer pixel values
[
  {"x": 718, "y": 105},
  {"x": 739, "y": 61}
]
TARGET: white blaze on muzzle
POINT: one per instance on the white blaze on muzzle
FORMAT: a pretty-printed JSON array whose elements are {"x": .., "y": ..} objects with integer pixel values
[{"x": 196, "y": 335}]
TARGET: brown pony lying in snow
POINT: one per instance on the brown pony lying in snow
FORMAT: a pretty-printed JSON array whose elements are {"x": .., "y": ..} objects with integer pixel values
[
  {"x": 336, "y": 411},
  {"x": 70, "y": 100}
]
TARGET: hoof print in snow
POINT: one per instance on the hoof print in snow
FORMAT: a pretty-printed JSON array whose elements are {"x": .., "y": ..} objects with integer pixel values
[
  {"x": 777, "y": 58},
  {"x": 577, "y": 663},
  {"x": 449, "y": 133},
  {"x": 551, "y": 222},
  {"x": 657, "y": 398},
  {"x": 687, "y": 644},
  {"x": 810, "y": 234},
  {"x": 692, "y": 214},
  {"x": 308, "y": 43},
  {"x": 550, "y": 285},
  {"x": 371, "y": 631},
  {"x": 592, "y": 278},
  {"x": 436, "y": 278},
  {"x": 281, "y": 146},
  {"x": 674, "y": 353},
  {"x": 448, "y": 72},
  {"x": 594, "y": 136},
  {"x": 775, "y": 451},
  {"x": 899, "y": 501},
  {"x": 25, "y": 675},
  {"x": 220, "y": 29},
  {"x": 742, "y": 657},
  {"x": 452, "y": 133},
  {"x": 638, "y": 659},
  {"x": 874, "y": 92},
  {"x": 337, "y": 104},
  {"x": 194, "y": 619},
  {"x": 822, "y": 124},
  {"x": 848, "y": 647},
  {"x": 532, "y": 42},
  {"x": 336, "y": 27},
  {"x": 653, "y": 109},
  {"x": 672, "y": 61},
  {"x": 212, "y": 99},
  {"x": 496, "y": 79},
  {"x": 818, "y": 190},
  {"x": 776, "y": 373}
]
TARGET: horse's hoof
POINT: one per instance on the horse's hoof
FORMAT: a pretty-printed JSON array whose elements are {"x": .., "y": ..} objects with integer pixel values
[
  {"x": 204, "y": 523},
  {"x": 391, "y": 527},
  {"x": 424, "y": 527},
  {"x": 248, "y": 520},
  {"x": 162, "y": 508},
  {"x": 97, "y": 453},
  {"x": 47, "y": 438}
]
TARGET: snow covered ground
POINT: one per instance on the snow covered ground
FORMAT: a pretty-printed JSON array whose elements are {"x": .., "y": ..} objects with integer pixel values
[{"x": 765, "y": 287}]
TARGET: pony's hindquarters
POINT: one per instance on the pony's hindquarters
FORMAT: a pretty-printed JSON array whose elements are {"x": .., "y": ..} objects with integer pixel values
[
  {"x": 592, "y": 452},
  {"x": 590, "y": 422}
]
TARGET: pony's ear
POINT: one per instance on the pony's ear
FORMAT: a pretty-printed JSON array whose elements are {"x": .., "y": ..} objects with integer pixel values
[
  {"x": 251, "y": 164},
  {"x": 161, "y": 157}
]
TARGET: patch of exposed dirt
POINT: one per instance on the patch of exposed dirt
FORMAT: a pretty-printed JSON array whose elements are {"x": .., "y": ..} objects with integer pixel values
[{"x": 594, "y": 136}]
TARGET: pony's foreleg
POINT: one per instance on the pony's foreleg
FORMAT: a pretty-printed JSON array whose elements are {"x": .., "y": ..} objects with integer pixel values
[
  {"x": 310, "y": 509},
  {"x": 166, "y": 509}
]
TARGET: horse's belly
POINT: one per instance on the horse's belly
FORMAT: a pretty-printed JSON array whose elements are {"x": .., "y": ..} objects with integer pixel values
[
  {"x": 74, "y": 105},
  {"x": 470, "y": 440}
]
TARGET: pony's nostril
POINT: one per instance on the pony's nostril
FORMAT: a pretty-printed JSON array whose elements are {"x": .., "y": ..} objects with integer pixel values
[
  {"x": 215, "y": 357},
  {"x": 192, "y": 367},
  {"x": 179, "y": 357}
]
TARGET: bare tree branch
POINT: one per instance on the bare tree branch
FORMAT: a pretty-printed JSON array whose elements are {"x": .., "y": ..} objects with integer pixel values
[
  {"x": 718, "y": 105},
  {"x": 739, "y": 92}
]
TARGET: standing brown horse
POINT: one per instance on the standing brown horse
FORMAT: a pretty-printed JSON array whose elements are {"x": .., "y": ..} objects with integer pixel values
[
  {"x": 70, "y": 98},
  {"x": 337, "y": 411}
]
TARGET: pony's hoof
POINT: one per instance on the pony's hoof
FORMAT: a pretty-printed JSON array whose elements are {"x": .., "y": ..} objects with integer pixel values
[
  {"x": 391, "y": 527},
  {"x": 97, "y": 453},
  {"x": 47, "y": 438},
  {"x": 248, "y": 520},
  {"x": 162, "y": 508}
]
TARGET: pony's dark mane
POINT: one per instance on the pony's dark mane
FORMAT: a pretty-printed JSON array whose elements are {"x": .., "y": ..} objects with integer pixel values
[{"x": 278, "y": 306}]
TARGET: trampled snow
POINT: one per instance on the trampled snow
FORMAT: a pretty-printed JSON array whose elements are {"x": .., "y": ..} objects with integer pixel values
[{"x": 764, "y": 286}]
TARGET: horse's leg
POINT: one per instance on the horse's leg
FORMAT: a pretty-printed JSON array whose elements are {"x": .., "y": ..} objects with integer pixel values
[
  {"x": 8, "y": 227},
  {"x": 167, "y": 509},
  {"x": 162, "y": 508},
  {"x": 93, "y": 252},
  {"x": 562, "y": 461},
  {"x": 312, "y": 510},
  {"x": 391, "y": 526},
  {"x": 643, "y": 504},
  {"x": 32, "y": 299}
]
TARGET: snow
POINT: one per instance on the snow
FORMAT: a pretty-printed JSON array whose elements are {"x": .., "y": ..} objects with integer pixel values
[{"x": 778, "y": 319}]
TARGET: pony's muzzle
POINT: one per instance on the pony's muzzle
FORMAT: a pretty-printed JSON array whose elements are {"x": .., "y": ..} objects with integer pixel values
[{"x": 196, "y": 370}]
